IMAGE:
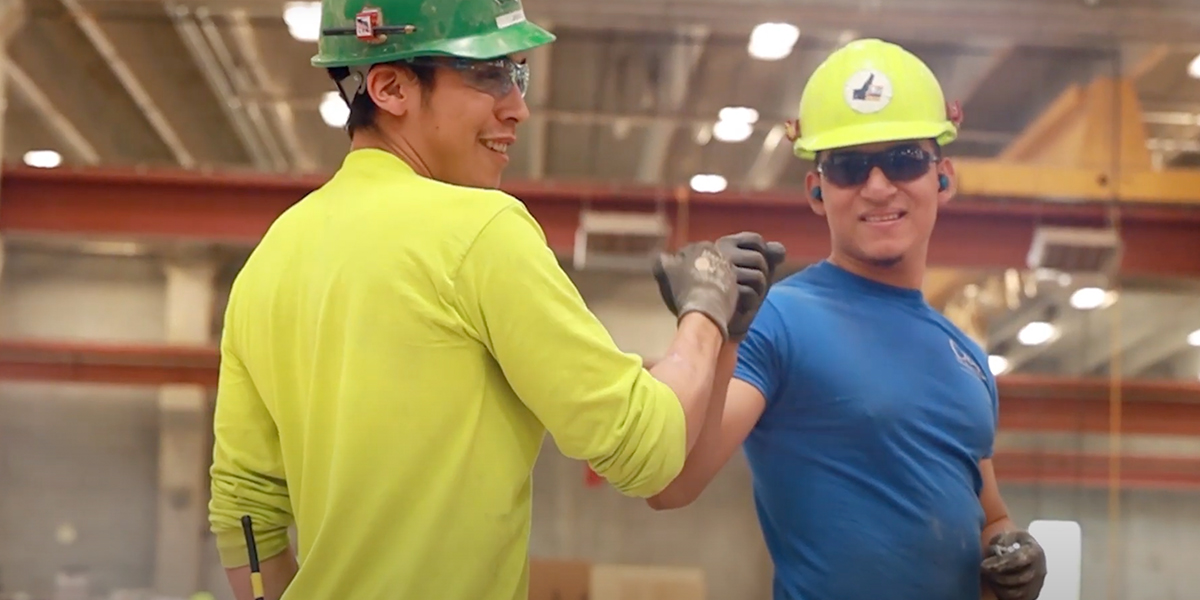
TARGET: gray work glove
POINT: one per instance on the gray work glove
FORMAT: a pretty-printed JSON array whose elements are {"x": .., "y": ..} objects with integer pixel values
[
  {"x": 698, "y": 278},
  {"x": 1015, "y": 566},
  {"x": 754, "y": 261}
]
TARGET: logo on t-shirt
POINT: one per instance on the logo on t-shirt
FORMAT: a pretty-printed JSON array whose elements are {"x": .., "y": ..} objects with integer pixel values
[{"x": 966, "y": 362}]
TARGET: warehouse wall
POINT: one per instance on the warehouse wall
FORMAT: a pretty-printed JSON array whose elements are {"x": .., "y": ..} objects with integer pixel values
[
  {"x": 1158, "y": 534},
  {"x": 78, "y": 460},
  {"x": 78, "y": 463}
]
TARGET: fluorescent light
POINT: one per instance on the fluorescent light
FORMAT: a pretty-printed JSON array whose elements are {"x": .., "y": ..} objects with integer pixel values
[
  {"x": 1193, "y": 338},
  {"x": 772, "y": 41},
  {"x": 1091, "y": 298},
  {"x": 334, "y": 110},
  {"x": 708, "y": 184},
  {"x": 1062, "y": 543},
  {"x": 732, "y": 131},
  {"x": 740, "y": 114},
  {"x": 43, "y": 159},
  {"x": 303, "y": 20},
  {"x": 736, "y": 124},
  {"x": 997, "y": 364},
  {"x": 1037, "y": 333},
  {"x": 1194, "y": 68}
]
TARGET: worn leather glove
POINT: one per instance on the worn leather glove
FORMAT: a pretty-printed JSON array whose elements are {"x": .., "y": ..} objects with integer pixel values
[
  {"x": 754, "y": 261},
  {"x": 698, "y": 278},
  {"x": 1015, "y": 566}
]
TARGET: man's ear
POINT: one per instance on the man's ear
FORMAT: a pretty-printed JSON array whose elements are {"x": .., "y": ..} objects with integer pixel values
[
  {"x": 813, "y": 193},
  {"x": 946, "y": 171},
  {"x": 391, "y": 89}
]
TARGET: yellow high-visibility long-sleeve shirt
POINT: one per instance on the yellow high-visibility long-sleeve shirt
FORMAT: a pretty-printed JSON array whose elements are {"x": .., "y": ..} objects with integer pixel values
[{"x": 393, "y": 353}]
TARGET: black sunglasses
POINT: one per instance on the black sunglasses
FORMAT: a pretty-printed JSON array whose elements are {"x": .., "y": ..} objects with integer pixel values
[{"x": 899, "y": 163}]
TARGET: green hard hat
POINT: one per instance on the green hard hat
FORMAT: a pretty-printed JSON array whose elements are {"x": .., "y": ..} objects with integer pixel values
[{"x": 358, "y": 33}]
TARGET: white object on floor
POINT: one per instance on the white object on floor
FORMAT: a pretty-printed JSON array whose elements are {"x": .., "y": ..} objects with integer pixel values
[{"x": 1063, "y": 543}]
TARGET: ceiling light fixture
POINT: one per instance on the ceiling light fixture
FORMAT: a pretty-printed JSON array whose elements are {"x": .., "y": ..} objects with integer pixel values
[
  {"x": 1091, "y": 298},
  {"x": 43, "y": 159},
  {"x": 303, "y": 20},
  {"x": 772, "y": 41},
  {"x": 1193, "y": 338},
  {"x": 997, "y": 364},
  {"x": 735, "y": 124},
  {"x": 334, "y": 110},
  {"x": 740, "y": 114},
  {"x": 708, "y": 183},
  {"x": 732, "y": 131},
  {"x": 1037, "y": 333}
]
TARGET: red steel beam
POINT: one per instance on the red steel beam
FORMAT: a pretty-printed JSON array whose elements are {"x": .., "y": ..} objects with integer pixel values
[
  {"x": 1094, "y": 471},
  {"x": 237, "y": 208},
  {"x": 1089, "y": 471},
  {"x": 75, "y": 362},
  {"x": 1034, "y": 403},
  {"x": 1028, "y": 403}
]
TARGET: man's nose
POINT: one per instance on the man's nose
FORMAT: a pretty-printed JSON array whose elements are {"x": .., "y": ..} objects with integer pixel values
[
  {"x": 878, "y": 186},
  {"x": 512, "y": 107}
]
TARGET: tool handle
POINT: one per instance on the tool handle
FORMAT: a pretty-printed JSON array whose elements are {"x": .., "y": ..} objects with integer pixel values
[{"x": 256, "y": 583}]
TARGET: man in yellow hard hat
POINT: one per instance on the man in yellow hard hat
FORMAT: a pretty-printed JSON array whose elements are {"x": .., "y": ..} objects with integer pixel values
[
  {"x": 400, "y": 341},
  {"x": 867, "y": 417}
]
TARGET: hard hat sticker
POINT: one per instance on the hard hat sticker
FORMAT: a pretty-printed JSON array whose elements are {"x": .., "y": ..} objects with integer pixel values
[
  {"x": 510, "y": 19},
  {"x": 868, "y": 91},
  {"x": 365, "y": 23}
]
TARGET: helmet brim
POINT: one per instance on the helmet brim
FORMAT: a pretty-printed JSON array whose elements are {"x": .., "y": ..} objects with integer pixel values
[
  {"x": 874, "y": 133},
  {"x": 521, "y": 37}
]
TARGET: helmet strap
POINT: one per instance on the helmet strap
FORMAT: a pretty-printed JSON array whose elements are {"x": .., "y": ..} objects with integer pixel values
[{"x": 354, "y": 83}]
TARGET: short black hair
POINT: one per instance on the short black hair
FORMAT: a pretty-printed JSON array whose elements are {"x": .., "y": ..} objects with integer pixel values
[{"x": 363, "y": 108}]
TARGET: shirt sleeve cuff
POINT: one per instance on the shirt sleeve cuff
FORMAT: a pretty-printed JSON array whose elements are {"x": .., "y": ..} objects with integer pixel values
[{"x": 231, "y": 546}]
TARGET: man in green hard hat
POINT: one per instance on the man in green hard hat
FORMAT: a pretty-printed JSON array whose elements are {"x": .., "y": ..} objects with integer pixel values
[
  {"x": 867, "y": 417},
  {"x": 400, "y": 341}
]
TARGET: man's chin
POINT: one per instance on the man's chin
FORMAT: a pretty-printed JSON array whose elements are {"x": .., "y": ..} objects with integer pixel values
[
  {"x": 882, "y": 257},
  {"x": 885, "y": 262}
]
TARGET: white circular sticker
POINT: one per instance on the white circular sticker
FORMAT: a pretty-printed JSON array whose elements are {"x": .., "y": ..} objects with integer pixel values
[{"x": 868, "y": 91}]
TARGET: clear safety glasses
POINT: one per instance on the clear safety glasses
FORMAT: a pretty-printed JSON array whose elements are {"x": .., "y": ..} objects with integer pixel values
[
  {"x": 899, "y": 163},
  {"x": 496, "y": 77}
]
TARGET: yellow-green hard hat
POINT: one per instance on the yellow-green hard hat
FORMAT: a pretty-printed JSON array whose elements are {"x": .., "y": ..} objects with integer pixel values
[
  {"x": 871, "y": 91},
  {"x": 358, "y": 33}
]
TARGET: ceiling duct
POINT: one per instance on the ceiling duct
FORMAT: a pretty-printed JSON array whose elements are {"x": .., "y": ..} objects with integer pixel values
[
  {"x": 619, "y": 240},
  {"x": 1076, "y": 250}
]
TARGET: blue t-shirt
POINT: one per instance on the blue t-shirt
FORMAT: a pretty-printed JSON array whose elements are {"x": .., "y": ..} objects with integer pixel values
[{"x": 866, "y": 459}]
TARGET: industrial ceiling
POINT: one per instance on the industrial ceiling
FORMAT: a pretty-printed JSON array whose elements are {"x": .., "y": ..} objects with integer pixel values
[{"x": 634, "y": 92}]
